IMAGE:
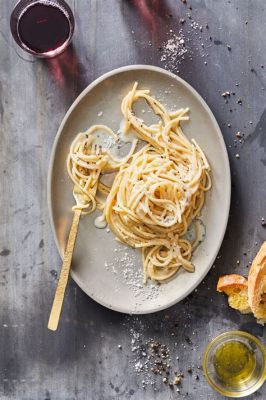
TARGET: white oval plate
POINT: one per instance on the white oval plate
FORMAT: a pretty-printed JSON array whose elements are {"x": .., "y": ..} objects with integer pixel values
[{"x": 107, "y": 271}]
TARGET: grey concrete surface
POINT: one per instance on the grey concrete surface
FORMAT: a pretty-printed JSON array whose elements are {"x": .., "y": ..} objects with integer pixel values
[{"x": 82, "y": 359}]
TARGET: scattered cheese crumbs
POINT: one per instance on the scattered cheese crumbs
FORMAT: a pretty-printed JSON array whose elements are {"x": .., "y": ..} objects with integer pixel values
[{"x": 173, "y": 50}]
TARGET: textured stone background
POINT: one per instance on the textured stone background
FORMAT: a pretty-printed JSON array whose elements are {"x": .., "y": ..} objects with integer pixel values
[{"x": 81, "y": 360}]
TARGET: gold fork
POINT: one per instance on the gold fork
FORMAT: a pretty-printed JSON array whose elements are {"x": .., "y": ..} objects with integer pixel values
[{"x": 64, "y": 274}]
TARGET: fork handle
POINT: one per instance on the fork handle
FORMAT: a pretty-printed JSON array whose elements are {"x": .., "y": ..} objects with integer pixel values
[{"x": 64, "y": 274}]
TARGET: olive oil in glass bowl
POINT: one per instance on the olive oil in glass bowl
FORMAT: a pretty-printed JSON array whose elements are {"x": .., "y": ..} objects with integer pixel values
[{"x": 234, "y": 364}]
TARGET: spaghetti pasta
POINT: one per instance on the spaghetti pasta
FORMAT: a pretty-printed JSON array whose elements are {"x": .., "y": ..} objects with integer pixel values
[{"x": 157, "y": 192}]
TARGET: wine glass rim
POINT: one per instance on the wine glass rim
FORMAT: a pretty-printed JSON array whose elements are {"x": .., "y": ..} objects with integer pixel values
[{"x": 17, "y": 14}]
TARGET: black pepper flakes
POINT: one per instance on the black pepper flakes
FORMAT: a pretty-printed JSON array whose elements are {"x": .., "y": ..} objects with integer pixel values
[
  {"x": 177, "y": 380},
  {"x": 188, "y": 340}
]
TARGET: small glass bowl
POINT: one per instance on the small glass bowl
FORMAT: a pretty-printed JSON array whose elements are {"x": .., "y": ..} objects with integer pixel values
[{"x": 248, "y": 387}]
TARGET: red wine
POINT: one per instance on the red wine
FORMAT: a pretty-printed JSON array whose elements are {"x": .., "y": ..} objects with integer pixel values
[{"x": 43, "y": 28}]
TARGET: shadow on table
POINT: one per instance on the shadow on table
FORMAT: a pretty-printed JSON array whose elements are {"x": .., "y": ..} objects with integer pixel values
[
  {"x": 66, "y": 69},
  {"x": 152, "y": 24},
  {"x": 154, "y": 15}
]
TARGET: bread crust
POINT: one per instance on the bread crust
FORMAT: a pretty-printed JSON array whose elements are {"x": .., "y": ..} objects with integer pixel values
[
  {"x": 256, "y": 284},
  {"x": 227, "y": 283},
  {"x": 236, "y": 288}
]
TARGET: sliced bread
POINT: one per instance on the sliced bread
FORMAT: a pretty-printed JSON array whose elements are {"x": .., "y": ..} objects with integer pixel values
[
  {"x": 236, "y": 288},
  {"x": 257, "y": 285}
]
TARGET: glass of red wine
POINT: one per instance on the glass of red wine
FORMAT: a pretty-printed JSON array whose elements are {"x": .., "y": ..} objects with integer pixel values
[{"x": 43, "y": 28}]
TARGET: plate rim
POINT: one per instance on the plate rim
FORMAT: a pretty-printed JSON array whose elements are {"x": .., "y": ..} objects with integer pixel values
[{"x": 227, "y": 172}]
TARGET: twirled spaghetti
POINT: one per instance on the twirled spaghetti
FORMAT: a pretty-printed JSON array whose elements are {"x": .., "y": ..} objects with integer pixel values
[{"x": 157, "y": 192}]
